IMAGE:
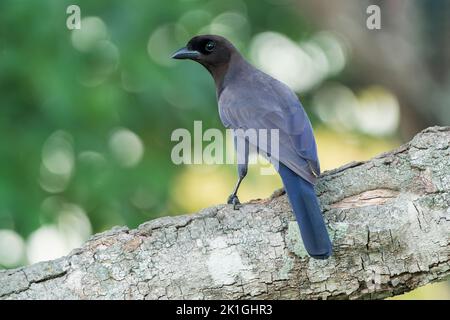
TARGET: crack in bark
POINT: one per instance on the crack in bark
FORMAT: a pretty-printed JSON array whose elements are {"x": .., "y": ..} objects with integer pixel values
[{"x": 367, "y": 198}]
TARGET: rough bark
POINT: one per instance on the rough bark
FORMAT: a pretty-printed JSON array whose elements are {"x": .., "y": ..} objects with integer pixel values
[{"x": 389, "y": 219}]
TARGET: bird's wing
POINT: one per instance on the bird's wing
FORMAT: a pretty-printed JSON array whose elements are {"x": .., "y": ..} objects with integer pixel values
[{"x": 269, "y": 104}]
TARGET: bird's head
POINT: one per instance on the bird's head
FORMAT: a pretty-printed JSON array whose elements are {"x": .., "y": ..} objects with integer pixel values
[{"x": 209, "y": 50}]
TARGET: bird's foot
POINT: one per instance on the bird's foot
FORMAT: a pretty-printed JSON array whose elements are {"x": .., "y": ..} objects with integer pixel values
[{"x": 234, "y": 200}]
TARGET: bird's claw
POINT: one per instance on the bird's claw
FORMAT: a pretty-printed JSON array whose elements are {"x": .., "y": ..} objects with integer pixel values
[{"x": 234, "y": 200}]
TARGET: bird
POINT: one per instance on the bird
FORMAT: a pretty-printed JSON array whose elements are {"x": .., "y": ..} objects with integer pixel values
[{"x": 248, "y": 98}]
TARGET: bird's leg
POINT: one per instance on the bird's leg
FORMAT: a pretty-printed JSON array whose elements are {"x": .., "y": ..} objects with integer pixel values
[
  {"x": 242, "y": 156},
  {"x": 233, "y": 198}
]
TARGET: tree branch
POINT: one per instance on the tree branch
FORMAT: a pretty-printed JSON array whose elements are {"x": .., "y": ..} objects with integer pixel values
[{"x": 389, "y": 219}]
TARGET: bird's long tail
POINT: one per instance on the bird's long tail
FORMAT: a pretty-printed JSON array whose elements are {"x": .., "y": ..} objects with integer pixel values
[{"x": 305, "y": 205}]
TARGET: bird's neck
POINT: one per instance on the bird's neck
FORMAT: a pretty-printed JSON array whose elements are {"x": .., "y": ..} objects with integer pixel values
[
  {"x": 223, "y": 73},
  {"x": 219, "y": 74}
]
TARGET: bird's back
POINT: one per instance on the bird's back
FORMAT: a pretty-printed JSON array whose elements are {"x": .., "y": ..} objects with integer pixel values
[{"x": 251, "y": 99}]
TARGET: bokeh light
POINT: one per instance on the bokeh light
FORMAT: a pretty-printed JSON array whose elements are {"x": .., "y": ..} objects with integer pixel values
[
  {"x": 162, "y": 42},
  {"x": 12, "y": 248},
  {"x": 46, "y": 243},
  {"x": 57, "y": 153},
  {"x": 300, "y": 65},
  {"x": 126, "y": 147},
  {"x": 57, "y": 162},
  {"x": 52, "y": 241},
  {"x": 93, "y": 31},
  {"x": 373, "y": 110}
]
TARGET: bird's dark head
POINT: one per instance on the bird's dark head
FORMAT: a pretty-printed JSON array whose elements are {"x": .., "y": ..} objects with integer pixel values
[{"x": 209, "y": 50}]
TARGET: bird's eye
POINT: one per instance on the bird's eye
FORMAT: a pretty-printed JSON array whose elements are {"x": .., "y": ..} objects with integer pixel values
[{"x": 209, "y": 47}]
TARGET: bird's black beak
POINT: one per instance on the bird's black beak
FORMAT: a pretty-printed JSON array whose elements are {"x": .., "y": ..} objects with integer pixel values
[{"x": 185, "y": 53}]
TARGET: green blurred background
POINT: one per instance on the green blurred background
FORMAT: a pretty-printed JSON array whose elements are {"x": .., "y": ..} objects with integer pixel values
[{"x": 86, "y": 115}]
